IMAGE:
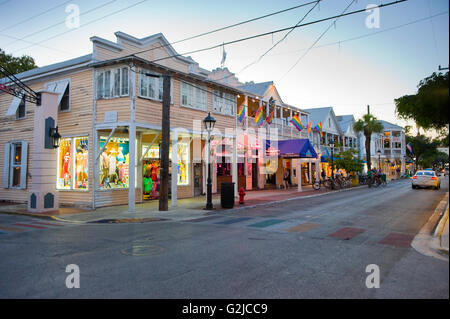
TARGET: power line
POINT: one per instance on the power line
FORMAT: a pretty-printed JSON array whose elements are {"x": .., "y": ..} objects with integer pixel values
[
  {"x": 266, "y": 33},
  {"x": 369, "y": 34},
  {"x": 233, "y": 25},
  {"x": 282, "y": 39},
  {"x": 317, "y": 40},
  {"x": 53, "y": 25},
  {"x": 88, "y": 23},
  {"x": 35, "y": 16}
]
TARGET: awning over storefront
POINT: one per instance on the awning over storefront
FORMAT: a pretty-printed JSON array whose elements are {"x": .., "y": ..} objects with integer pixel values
[{"x": 299, "y": 148}]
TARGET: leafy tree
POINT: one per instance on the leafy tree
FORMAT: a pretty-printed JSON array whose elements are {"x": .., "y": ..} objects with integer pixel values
[
  {"x": 424, "y": 150},
  {"x": 368, "y": 124},
  {"x": 16, "y": 64},
  {"x": 429, "y": 108},
  {"x": 349, "y": 161}
]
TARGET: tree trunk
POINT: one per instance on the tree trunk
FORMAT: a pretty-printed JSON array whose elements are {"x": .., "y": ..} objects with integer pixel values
[{"x": 368, "y": 155}]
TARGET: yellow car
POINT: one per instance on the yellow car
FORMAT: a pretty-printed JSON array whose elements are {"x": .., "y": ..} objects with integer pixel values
[{"x": 426, "y": 178}]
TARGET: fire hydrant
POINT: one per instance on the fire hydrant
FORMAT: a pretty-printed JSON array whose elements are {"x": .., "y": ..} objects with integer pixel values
[{"x": 241, "y": 196}]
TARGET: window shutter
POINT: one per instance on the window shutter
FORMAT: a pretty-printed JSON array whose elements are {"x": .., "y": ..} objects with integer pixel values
[
  {"x": 23, "y": 165},
  {"x": 5, "y": 177},
  {"x": 14, "y": 105}
]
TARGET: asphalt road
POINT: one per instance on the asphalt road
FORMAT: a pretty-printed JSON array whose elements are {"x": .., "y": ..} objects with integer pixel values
[{"x": 307, "y": 248}]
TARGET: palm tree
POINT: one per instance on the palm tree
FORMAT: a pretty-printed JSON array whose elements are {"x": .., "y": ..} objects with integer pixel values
[{"x": 368, "y": 125}]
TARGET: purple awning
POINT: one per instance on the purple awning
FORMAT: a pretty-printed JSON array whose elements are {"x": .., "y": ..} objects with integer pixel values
[{"x": 300, "y": 148}]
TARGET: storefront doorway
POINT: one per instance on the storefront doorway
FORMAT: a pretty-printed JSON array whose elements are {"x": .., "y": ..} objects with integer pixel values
[{"x": 198, "y": 178}]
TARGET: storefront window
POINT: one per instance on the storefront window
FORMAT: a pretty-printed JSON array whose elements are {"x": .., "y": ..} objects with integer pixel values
[
  {"x": 73, "y": 164},
  {"x": 183, "y": 164},
  {"x": 81, "y": 163},
  {"x": 114, "y": 162},
  {"x": 64, "y": 164},
  {"x": 182, "y": 160}
]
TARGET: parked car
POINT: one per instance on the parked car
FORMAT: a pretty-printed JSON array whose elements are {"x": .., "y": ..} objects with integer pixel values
[
  {"x": 446, "y": 171},
  {"x": 426, "y": 178}
]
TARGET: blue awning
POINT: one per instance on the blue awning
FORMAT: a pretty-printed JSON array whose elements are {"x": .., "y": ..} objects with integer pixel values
[{"x": 299, "y": 148}]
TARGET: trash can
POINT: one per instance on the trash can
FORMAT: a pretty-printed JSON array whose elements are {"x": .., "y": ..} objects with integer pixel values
[{"x": 227, "y": 195}]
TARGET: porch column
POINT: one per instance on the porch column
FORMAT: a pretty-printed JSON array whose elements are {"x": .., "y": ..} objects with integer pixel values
[
  {"x": 290, "y": 115},
  {"x": 299, "y": 174},
  {"x": 234, "y": 171},
  {"x": 310, "y": 171},
  {"x": 174, "y": 177},
  {"x": 318, "y": 168},
  {"x": 132, "y": 169}
]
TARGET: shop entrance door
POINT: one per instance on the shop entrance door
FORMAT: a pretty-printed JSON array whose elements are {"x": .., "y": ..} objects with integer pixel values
[
  {"x": 255, "y": 175},
  {"x": 198, "y": 179}
]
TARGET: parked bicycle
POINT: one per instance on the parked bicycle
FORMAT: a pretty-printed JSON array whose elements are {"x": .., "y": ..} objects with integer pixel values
[{"x": 328, "y": 183}]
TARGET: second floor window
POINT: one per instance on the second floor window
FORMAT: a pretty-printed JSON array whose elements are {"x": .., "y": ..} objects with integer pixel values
[
  {"x": 152, "y": 86},
  {"x": 112, "y": 83},
  {"x": 223, "y": 103},
  {"x": 193, "y": 96}
]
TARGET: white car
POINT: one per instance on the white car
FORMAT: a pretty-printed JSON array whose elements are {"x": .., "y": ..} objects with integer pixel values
[{"x": 426, "y": 178}]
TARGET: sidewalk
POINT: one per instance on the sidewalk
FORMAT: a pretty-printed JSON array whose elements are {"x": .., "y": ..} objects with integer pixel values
[
  {"x": 189, "y": 208},
  {"x": 432, "y": 239}
]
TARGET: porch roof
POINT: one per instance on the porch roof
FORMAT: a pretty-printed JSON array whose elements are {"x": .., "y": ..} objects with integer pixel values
[{"x": 298, "y": 148}]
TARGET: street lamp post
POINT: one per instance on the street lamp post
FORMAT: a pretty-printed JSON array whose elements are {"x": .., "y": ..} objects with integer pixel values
[
  {"x": 209, "y": 122},
  {"x": 331, "y": 144}
]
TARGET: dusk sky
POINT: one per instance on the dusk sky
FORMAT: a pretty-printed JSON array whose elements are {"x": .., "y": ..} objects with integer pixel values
[{"x": 340, "y": 71}]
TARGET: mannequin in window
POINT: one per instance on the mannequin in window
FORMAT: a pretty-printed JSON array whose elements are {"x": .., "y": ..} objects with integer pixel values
[{"x": 65, "y": 170}]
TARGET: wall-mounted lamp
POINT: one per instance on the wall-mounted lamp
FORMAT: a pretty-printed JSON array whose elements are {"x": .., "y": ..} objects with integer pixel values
[{"x": 53, "y": 132}]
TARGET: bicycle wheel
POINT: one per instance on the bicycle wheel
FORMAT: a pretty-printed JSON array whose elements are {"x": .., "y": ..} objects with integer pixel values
[
  {"x": 316, "y": 186},
  {"x": 327, "y": 183}
]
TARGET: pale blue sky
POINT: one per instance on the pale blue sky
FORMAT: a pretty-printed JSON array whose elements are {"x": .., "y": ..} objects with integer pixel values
[{"x": 372, "y": 70}]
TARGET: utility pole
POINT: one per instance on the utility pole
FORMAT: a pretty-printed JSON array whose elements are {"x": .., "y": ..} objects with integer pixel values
[
  {"x": 165, "y": 140},
  {"x": 368, "y": 109}
]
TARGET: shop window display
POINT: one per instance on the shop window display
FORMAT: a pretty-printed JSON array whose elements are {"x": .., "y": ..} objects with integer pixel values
[
  {"x": 152, "y": 158},
  {"x": 114, "y": 163},
  {"x": 73, "y": 164}
]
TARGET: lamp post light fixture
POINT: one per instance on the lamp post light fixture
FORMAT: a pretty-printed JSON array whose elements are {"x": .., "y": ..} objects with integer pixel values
[
  {"x": 331, "y": 144},
  {"x": 209, "y": 123}
]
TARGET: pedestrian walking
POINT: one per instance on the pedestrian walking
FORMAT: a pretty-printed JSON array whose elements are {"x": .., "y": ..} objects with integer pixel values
[{"x": 286, "y": 179}]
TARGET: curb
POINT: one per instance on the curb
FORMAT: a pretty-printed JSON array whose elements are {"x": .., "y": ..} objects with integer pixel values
[
  {"x": 28, "y": 214},
  {"x": 426, "y": 241},
  {"x": 286, "y": 200}
]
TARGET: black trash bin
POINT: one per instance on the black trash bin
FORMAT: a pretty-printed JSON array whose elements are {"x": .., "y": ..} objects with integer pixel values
[{"x": 227, "y": 195}]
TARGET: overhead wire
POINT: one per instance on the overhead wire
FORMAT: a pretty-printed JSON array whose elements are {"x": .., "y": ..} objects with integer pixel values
[
  {"x": 34, "y": 16},
  {"x": 61, "y": 22},
  {"x": 316, "y": 41},
  {"x": 88, "y": 23}
]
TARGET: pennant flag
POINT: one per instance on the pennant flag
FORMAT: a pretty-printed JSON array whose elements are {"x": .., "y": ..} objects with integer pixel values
[
  {"x": 309, "y": 127},
  {"x": 296, "y": 122},
  {"x": 241, "y": 113},
  {"x": 270, "y": 118},
  {"x": 319, "y": 129},
  {"x": 258, "y": 115},
  {"x": 409, "y": 147}
]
